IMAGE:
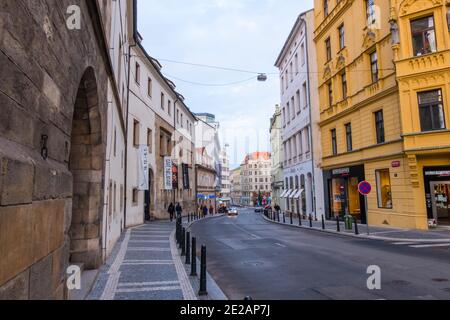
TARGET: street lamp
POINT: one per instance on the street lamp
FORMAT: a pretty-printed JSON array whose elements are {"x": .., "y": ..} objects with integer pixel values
[{"x": 262, "y": 77}]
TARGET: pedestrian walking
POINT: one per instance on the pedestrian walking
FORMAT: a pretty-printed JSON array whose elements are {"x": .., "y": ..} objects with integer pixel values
[
  {"x": 171, "y": 211},
  {"x": 179, "y": 210},
  {"x": 277, "y": 209},
  {"x": 211, "y": 210},
  {"x": 205, "y": 211}
]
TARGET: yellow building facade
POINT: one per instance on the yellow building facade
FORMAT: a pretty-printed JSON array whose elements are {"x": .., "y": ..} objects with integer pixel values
[{"x": 369, "y": 112}]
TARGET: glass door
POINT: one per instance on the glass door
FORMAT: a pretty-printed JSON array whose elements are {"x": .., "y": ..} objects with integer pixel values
[{"x": 440, "y": 199}]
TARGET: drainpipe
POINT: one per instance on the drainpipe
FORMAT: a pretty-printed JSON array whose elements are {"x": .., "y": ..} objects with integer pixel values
[
  {"x": 175, "y": 130},
  {"x": 310, "y": 123}
]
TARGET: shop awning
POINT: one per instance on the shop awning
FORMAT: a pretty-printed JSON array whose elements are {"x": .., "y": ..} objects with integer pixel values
[
  {"x": 285, "y": 193},
  {"x": 291, "y": 194},
  {"x": 298, "y": 194}
]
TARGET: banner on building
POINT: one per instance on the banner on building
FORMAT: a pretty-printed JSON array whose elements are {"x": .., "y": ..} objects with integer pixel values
[
  {"x": 143, "y": 183},
  {"x": 186, "y": 185},
  {"x": 168, "y": 173},
  {"x": 174, "y": 176}
]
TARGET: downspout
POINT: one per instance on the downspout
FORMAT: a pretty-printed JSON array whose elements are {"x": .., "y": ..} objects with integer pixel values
[
  {"x": 174, "y": 139},
  {"x": 128, "y": 111},
  {"x": 310, "y": 122}
]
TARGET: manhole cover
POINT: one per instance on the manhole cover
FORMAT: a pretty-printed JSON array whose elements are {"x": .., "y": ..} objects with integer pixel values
[
  {"x": 253, "y": 263},
  {"x": 440, "y": 280}
]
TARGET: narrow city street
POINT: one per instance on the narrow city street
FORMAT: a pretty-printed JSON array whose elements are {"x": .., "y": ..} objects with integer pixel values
[{"x": 249, "y": 256}]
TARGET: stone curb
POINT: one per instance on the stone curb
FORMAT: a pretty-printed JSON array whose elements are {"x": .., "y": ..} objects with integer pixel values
[
  {"x": 210, "y": 279},
  {"x": 360, "y": 236}
]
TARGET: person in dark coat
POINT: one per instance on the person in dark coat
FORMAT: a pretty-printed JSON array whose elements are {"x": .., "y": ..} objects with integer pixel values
[
  {"x": 171, "y": 211},
  {"x": 205, "y": 211},
  {"x": 179, "y": 210},
  {"x": 211, "y": 210}
]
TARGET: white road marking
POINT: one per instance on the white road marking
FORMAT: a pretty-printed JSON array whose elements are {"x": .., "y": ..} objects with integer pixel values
[
  {"x": 431, "y": 245},
  {"x": 148, "y": 249},
  {"x": 281, "y": 245},
  {"x": 131, "y": 290},
  {"x": 147, "y": 284},
  {"x": 147, "y": 263},
  {"x": 403, "y": 243},
  {"x": 149, "y": 241}
]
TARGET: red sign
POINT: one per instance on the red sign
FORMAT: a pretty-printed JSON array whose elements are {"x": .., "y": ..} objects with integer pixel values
[
  {"x": 396, "y": 164},
  {"x": 364, "y": 188}
]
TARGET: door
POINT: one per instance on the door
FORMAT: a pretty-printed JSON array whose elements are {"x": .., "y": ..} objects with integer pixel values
[{"x": 440, "y": 201}]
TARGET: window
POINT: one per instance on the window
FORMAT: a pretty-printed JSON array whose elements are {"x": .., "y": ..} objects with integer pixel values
[
  {"x": 149, "y": 88},
  {"x": 287, "y": 78},
  {"x": 150, "y": 140},
  {"x": 325, "y": 8},
  {"x": 334, "y": 142},
  {"x": 291, "y": 71},
  {"x": 304, "y": 97},
  {"x": 293, "y": 107},
  {"x": 162, "y": 100},
  {"x": 138, "y": 73},
  {"x": 374, "y": 66},
  {"x": 182, "y": 121},
  {"x": 299, "y": 104},
  {"x": 300, "y": 144},
  {"x": 288, "y": 113},
  {"x": 115, "y": 142},
  {"x": 302, "y": 54},
  {"x": 384, "y": 193},
  {"x": 370, "y": 12},
  {"x": 178, "y": 116},
  {"x": 330, "y": 94},
  {"x": 348, "y": 136},
  {"x": 135, "y": 196},
  {"x": 344, "y": 85},
  {"x": 136, "y": 133},
  {"x": 379, "y": 126},
  {"x": 431, "y": 110},
  {"x": 169, "y": 107},
  {"x": 282, "y": 84},
  {"x": 328, "y": 48},
  {"x": 423, "y": 36},
  {"x": 307, "y": 140},
  {"x": 341, "y": 37},
  {"x": 296, "y": 63}
]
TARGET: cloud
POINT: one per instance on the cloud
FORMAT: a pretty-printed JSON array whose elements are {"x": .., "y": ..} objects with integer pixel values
[{"x": 242, "y": 34}]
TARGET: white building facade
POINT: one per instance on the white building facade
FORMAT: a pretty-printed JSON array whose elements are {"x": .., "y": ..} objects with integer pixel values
[
  {"x": 299, "y": 117},
  {"x": 225, "y": 191}
]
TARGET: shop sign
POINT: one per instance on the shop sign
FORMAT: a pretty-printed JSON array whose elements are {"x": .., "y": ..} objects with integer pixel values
[
  {"x": 341, "y": 171},
  {"x": 443, "y": 173}
]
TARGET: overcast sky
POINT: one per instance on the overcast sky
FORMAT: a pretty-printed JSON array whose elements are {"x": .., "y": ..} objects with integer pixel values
[{"x": 238, "y": 34}]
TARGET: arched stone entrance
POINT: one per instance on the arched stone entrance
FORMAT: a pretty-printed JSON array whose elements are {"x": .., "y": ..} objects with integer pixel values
[{"x": 86, "y": 166}]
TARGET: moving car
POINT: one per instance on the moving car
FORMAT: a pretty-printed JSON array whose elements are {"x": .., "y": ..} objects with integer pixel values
[
  {"x": 259, "y": 209},
  {"x": 233, "y": 212}
]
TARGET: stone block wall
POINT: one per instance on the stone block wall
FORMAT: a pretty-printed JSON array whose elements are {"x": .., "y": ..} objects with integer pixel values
[{"x": 41, "y": 64}]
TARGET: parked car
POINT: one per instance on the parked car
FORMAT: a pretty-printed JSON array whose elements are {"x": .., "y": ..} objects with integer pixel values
[{"x": 259, "y": 209}]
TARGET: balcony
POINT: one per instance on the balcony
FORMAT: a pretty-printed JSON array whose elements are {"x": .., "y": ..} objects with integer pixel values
[{"x": 421, "y": 64}]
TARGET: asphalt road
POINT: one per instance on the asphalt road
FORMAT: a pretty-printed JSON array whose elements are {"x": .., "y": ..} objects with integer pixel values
[{"x": 248, "y": 256}]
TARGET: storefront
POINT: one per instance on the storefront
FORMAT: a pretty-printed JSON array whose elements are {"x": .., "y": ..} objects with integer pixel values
[
  {"x": 437, "y": 194},
  {"x": 341, "y": 193}
]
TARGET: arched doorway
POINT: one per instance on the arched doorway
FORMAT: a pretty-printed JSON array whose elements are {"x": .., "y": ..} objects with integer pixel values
[
  {"x": 86, "y": 165},
  {"x": 149, "y": 203}
]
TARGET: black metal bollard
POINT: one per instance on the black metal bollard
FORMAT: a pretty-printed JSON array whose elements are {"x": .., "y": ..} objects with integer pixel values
[
  {"x": 338, "y": 226},
  {"x": 299, "y": 219},
  {"x": 188, "y": 247},
  {"x": 194, "y": 257},
  {"x": 292, "y": 221},
  {"x": 177, "y": 232},
  {"x": 323, "y": 222},
  {"x": 203, "y": 291},
  {"x": 356, "y": 226},
  {"x": 278, "y": 215},
  {"x": 284, "y": 217},
  {"x": 189, "y": 217},
  {"x": 310, "y": 221},
  {"x": 183, "y": 242}
]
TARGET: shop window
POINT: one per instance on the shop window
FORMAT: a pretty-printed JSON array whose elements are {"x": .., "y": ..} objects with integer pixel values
[
  {"x": 431, "y": 110},
  {"x": 384, "y": 193},
  {"x": 423, "y": 36}
]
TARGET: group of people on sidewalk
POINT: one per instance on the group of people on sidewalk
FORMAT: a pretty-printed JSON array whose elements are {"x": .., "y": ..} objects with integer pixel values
[
  {"x": 204, "y": 210},
  {"x": 172, "y": 209}
]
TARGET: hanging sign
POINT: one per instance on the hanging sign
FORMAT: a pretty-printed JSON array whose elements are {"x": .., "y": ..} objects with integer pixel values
[
  {"x": 143, "y": 169},
  {"x": 167, "y": 173}
]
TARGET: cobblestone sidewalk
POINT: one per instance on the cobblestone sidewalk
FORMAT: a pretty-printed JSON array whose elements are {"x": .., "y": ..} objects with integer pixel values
[{"x": 144, "y": 265}]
